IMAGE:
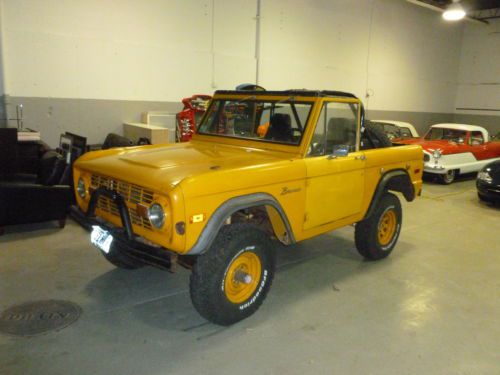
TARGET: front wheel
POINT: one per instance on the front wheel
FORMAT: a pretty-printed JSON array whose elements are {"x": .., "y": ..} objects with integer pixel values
[
  {"x": 377, "y": 235},
  {"x": 448, "y": 177},
  {"x": 231, "y": 280}
]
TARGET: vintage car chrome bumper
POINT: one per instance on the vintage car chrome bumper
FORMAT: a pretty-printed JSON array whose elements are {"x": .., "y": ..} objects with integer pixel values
[
  {"x": 432, "y": 165},
  {"x": 435, "y": 168}
]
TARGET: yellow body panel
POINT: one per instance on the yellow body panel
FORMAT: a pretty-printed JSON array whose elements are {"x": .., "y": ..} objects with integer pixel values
[
  {"x": 192, "y": 180},
  {"x": 335, "y": 188}
]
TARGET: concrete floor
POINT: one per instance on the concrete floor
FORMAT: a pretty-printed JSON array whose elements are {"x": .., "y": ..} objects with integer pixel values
[{"x": 432, "y": 307}]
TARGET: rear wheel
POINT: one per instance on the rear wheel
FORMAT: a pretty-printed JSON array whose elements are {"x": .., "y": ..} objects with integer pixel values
[
  {"x": 377, "y": 235},
  {"x": 448, "y": 177},
  {"x": 231, "y": 280}
]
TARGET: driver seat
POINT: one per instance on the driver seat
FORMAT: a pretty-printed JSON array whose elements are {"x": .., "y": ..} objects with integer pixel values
[{"x": 280, "y": 128}]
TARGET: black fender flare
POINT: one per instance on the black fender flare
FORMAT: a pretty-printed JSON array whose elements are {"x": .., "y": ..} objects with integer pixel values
[
  {"x": 397, "y": 180},
  {"x": 229, "y": 207}
]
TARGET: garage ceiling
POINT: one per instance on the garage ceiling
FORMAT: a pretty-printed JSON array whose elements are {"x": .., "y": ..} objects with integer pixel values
[{"x": 481, "y": 10}]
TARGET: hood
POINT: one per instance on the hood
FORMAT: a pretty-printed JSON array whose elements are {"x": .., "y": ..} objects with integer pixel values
[
  {"x": 163, "y": 167},
  {"x": 446, "y": 147}
]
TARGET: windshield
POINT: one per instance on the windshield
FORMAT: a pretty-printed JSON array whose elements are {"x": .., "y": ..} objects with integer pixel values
[
  {"x": 453, "y": 135},
  {"x": 281, "y": 121}
]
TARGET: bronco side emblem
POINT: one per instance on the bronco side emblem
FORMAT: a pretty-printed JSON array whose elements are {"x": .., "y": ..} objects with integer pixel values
[{"x": 286, "y": 190}]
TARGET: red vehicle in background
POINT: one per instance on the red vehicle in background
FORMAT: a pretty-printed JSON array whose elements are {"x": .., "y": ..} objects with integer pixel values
[
  {"x": 453, "y": 149},
  {"x": 190, "y": 116}
]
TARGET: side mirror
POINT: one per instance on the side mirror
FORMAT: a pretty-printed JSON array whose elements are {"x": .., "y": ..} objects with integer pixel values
[{"x": 339, "y": 151}]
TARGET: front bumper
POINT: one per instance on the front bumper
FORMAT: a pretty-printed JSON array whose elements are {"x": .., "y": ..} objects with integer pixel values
[
  {"x": 126, "y": 242},
  {"x": 435, "y": 168},
  {"x": 490, "y": 192}
]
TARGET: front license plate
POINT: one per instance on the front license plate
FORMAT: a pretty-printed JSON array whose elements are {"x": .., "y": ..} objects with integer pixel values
[{"x": 101, "y": 238}]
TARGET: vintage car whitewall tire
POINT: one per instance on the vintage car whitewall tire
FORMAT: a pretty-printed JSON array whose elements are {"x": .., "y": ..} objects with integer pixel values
[
  {"x": 376, "y": 236},
  {"x": 231, "y": 279},
  {"x": 448, "y": 177}
]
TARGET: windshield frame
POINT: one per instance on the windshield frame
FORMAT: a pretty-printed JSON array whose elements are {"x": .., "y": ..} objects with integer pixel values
[
  {"x": 295, "y": 151},
  {"x": 302, "y": 126}
]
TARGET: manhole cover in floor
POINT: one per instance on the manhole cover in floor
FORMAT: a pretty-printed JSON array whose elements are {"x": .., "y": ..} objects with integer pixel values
[{"x": 33, "y": 318}]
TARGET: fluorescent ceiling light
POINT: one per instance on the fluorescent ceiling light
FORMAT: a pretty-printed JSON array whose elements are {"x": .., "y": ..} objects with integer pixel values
[{"x": 454, "y": 12}]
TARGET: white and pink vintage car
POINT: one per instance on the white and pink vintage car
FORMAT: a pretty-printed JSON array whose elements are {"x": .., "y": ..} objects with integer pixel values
[{"x": 453, "y": 149}]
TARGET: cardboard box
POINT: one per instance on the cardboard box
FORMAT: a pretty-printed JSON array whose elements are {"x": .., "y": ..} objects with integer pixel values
[
  {"x": 155, "y": 134},
  {"x": 163, "y": 119}
]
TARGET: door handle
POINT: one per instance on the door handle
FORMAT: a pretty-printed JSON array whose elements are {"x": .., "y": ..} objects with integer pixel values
[{"x": 360, "y": 157}]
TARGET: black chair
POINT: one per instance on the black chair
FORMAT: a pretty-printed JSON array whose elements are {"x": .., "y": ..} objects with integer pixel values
[
  {"x": 31, "y": 198},
  {"x": 71, "y": 147},
  {"x": 8, "y": 151},
  {"x": 114, "y": 140}
]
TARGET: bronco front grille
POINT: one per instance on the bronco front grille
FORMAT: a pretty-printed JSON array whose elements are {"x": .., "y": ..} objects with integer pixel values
[
  {"x": 132, "y": 194},
  {"x": 427, "y": 157}
]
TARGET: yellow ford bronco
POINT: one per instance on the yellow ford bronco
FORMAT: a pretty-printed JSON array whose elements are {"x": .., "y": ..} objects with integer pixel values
[{"x": 264, "y": 166}]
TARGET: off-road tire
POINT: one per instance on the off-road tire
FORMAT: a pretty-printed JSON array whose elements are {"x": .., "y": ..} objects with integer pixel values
[
  {"x": 367, "y": 232},
  {"x": 117, "y": 259},
  {"x": 208, "y": 290},
  {"x": 447, "y": 178},
  {"x": 374, "y": 136}
]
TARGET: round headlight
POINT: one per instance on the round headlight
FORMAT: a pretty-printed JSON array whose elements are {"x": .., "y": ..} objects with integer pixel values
[
  {"x": 80, "y": 188},
  {"x": 156, "y": 215},
  {"x": 436, "y": 154}
]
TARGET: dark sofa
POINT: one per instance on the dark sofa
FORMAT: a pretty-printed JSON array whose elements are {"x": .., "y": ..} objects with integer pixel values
[{"x": 28, "y": 197}]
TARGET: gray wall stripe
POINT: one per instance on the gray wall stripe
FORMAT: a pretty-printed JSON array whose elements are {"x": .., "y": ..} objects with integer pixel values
[{"x": 95, "y": 118}]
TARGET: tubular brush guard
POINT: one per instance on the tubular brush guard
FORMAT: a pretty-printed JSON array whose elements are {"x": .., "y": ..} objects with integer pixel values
[{"x": 128, "y": 245}]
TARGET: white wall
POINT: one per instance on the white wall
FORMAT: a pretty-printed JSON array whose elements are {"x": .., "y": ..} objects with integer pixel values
[
  {"x": 414, "y": 57},
  {"x": 405, "y": 56},
  {"x": 2, "y": 85},
  {"x": 315, "y": 44},
  {"x": 126, "y": 49},
  {"x": 3, "y": 112},
  {"x": 161, "y": 50},
  {"x": 479, "y": 76}
]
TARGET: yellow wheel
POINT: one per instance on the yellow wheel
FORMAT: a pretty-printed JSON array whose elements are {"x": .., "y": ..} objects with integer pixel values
[
  {"x": 242, "y": 277},
  {"x": 377, "y": 234},
  {"x": 231, "y": 279},
  {"x": 387, "y": 227}
]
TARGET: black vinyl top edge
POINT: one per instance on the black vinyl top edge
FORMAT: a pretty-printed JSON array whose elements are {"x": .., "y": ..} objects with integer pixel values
[{"x": 297, "y": 92}]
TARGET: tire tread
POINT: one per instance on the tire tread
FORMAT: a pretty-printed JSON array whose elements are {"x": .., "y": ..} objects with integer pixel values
[
  {"x": 365, "y": 233},
  {"x": 204, "y": 282}
]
